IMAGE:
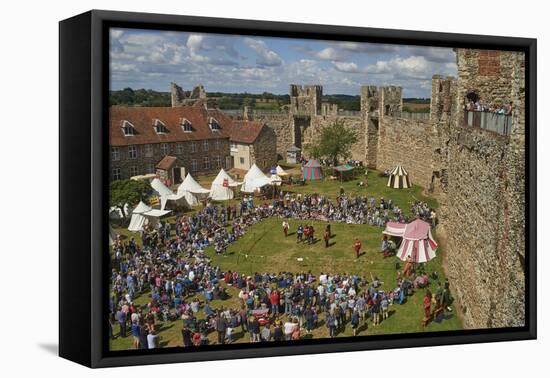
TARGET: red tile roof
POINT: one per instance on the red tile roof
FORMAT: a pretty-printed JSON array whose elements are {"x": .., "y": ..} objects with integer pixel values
[
  {"x": 142, "y": 118},
  {"x": 245, "y": 131}
]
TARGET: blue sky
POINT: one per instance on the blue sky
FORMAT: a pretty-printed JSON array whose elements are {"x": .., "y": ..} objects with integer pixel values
[{"x": 234, "y": 63}]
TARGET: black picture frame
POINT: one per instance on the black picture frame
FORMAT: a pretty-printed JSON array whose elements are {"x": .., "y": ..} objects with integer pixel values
[{"x": 83, "y": 165}]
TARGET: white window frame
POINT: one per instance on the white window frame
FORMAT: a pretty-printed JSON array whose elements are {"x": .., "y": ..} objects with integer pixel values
[
  {"x": 128, "y": 129},
  {"x": 194, "y": 147},
  {"x": 180, "y": 148},
  {"x": 164, "y": 149},
  {"x": 132, "y": 152},
  {"x": 205, "y": 145},
  {"x": 185, "y": 121},
  {"x": 115, "y": 153},
  {"x": 194, "y": 165},
  {"x": 133, "y": 170},
  {"x": 159, "y": 126},
  {"x": 206, "y": 163}
]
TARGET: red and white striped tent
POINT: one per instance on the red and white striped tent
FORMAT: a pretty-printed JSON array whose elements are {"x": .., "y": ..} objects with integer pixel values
[{"x": 417, "y": 240}]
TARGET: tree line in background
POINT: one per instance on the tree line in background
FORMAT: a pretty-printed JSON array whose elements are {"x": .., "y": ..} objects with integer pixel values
[{"x": 263, "y": 101}]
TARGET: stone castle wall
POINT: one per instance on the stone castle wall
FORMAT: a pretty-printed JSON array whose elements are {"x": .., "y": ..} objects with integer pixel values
[
  {"x": 408, "y": 143},
  {"x": 484, "y": 203}
]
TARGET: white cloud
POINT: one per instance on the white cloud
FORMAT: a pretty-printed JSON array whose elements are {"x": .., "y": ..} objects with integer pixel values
[
  {"x": 330, "y": 53},
  {"x": 349, "y": 67},
  {"x": 265, "y": 56}
]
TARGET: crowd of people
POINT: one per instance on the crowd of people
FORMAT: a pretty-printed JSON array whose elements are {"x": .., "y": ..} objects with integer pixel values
[
  {"x": 478, "y": 106},
  {"x": 181, "y": 282}
]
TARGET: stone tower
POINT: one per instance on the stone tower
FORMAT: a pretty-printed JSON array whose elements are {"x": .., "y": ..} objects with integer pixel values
[
  {"x": 369, "y": 114},
  {"x": 305, "y": 100}
]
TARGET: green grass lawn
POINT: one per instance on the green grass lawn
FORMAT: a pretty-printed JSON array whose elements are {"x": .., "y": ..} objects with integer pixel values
[{"x": 264, "y": 248}]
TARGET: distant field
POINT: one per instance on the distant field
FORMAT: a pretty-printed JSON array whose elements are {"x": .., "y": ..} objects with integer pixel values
[{"x": 415, "y": 107}]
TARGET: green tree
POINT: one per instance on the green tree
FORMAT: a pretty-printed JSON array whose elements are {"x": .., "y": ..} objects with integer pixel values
[
  {"x": 128, "y": 192},
  {"x": 334, "y": 143}
]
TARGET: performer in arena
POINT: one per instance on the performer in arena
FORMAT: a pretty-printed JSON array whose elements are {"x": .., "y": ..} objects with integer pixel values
[{"x": 357, "y": 247}]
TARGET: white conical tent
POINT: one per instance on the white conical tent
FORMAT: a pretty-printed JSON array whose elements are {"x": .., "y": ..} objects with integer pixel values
[
  {"x": 220, "y": 189},
  {"x": 399, "y": 178},
  {"x": 189, "y": 188},
  {"x": 281, "y": 172},
  {"x": 254, "y": 180}
]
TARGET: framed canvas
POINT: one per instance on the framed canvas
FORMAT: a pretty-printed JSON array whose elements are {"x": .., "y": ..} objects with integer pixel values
[{"x": 235, "y": 188}]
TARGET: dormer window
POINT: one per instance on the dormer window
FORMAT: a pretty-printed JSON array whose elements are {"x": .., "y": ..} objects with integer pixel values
[
  {"x": 128, "y": 129},
  {"x": 160, "y": 127},
  {"x": 186, "y": 125},
  {"x": 213, "y": 124}
]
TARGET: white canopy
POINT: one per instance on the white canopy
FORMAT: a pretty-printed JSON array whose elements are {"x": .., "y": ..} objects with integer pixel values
[
  {"x": 160, "y": 188},
  {"x": 281, "y": 171},
  {"x": 220, "y": 189},
  {"x": 254, "y": 180},
  {"x": 141, "y": 208},
  {"x": 143, "y": 215}
]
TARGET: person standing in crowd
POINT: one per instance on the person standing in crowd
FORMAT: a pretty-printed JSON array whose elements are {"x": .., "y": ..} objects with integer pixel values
[
  {"x": 121, "y": 318},
  {"x": 186, "y": 336},
  {"x": 135, "y": 335},
  {"x": 289, "y": 329},
  {"x": 221, "y": 327},
  {"x": 357, "y": 248},
  {"x": 354, "y": 321},
  {"x": 278, "y": 332},
  {"x": 274, "y": 298},
  {"x": 299, "y": 233},
  {"x": 152, "y": 340},
  {"x": 265, "y": 334},
  {"x": 285, "y": 228},
  {"x": 427, "y": 305}
]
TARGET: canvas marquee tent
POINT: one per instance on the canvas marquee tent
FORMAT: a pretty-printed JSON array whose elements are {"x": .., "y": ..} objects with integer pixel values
[
  {"x": 254, "y": 180},
  {"x": 189, "y": 188},
  {"x": 312, "y": 170},
  {"x": 399, "y": 178},
  {"x": 221, "y": 188},
  {"x": 144, "y": 214},
  {"x": 417, "y": 242}
]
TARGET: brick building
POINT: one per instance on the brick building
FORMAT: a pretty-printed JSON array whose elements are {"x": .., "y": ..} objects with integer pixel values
[
  {"x": 196, "y": 138},
  {"x": 253, "y": 142}
]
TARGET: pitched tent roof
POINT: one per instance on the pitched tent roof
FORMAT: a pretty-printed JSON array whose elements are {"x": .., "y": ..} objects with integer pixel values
[
  {"x": 220, "y": 190},
  {"x": 280, "y": 171},
  {"x": 293, "y": 148},
  {"x": 160, "y": 188},
  {"x": 313, "y": 164},
  {"x": 312, "y": 170},
  {"x": 254, "y": 179},
  {"x": 399, "y": 178},
  {"x": 417, "y": 242},
  {"x": 343, "y": 168},
  {"x": 191, "y": 185},
  {"x": 143, "y": 119}
]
